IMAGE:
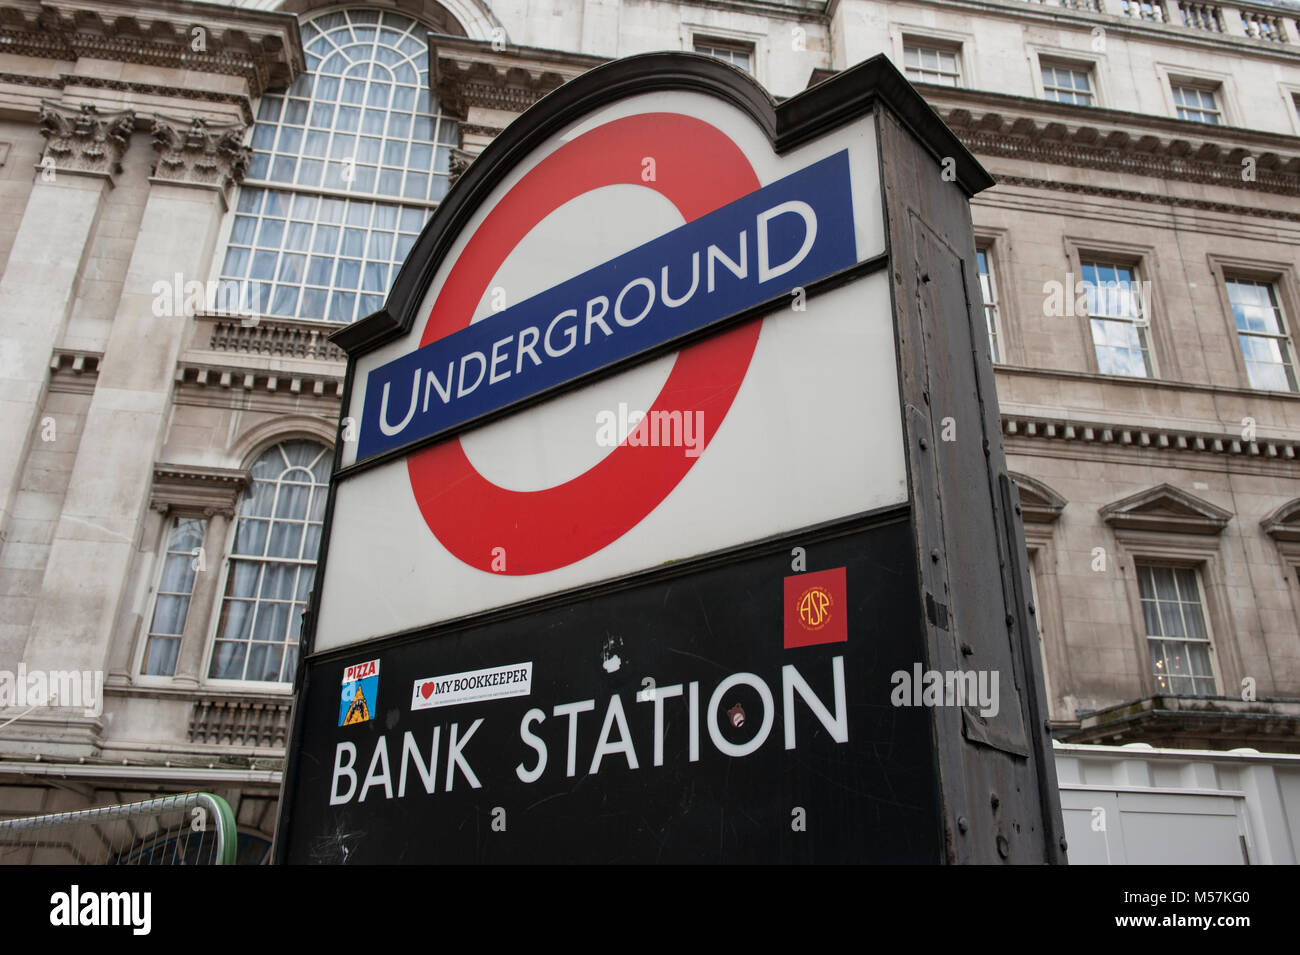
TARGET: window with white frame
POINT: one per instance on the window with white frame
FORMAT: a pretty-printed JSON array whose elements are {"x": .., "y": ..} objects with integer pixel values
[
  {"x": 1200, "y": 104},
  {"x": 988, "y": 289},
  {"x": 1177, "y": 632},
  {"x": 1262, "y": 334},
  {"x": 348, "y": 164},
  {"x": 272, "y": 564},
  {"x": 739, "y": 55},
  {"x": 1117, "y": 312},
  {"x": 1067, "y": 83},
  {"x": 172, "y": 598},
  {"x": 931, "y": 64}
]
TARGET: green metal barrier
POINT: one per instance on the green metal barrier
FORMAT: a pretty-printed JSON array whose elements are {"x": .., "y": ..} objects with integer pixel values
[{"x": 188, "y": 829}]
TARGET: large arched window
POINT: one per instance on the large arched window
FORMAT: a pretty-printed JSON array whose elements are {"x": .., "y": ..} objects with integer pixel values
[
  {"x": 347, "y": 166},
  {"x": 272, "y": 564}
]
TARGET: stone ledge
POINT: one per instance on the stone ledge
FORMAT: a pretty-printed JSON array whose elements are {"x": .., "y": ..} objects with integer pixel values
[
  {"x": 195, "y": 375},
  {"x": 1144, "y": 437}
]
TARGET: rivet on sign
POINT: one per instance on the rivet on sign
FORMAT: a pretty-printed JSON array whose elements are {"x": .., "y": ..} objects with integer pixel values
[
  {"x": 1010, "y": 620},
  {"x": 736, "y": 715},
  {"x": 1004, "y": 847},
  {"x": 1031, "y": 608},
  {"x": 934, "y": 556},
  {"x": 962, "y": 825},
  {"x": 1063, "y": 843},
  {"x": 924, "y": 444},
  {"x": 967, "y": 649},
  {"x": 994, "y": 801},
  {"x": 925, "y": 276}
]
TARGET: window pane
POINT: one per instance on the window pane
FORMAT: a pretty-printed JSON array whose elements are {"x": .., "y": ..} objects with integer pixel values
[
  {"x": 260, "y": 616},
  {"x": 370, "y": 80},
  {"x": 1172, "y": 608}
]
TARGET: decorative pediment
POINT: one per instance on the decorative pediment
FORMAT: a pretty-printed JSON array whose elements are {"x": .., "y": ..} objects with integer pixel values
[
  {"x": 1284, "y": 523},
  {"x": 189, "y": 487},
  {"x": 1039, "y": 504},
  {"x": 1166, "y": 508}
]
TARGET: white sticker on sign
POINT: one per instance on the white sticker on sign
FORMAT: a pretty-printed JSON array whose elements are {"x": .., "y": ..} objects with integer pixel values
[{"x": 472, "y": 686}]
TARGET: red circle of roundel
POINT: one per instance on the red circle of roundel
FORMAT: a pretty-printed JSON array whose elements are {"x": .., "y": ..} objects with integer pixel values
[{"x": 698, "y": 169}]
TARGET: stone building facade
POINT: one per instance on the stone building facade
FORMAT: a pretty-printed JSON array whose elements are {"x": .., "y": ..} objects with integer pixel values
[{"x": 194, "y": 195}]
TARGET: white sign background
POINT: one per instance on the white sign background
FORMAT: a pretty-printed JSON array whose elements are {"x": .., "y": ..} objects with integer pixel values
[{"x": 813, "y": 434}]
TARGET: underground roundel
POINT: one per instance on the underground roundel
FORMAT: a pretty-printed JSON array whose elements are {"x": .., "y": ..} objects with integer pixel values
[{"x": 741, "y": 244}]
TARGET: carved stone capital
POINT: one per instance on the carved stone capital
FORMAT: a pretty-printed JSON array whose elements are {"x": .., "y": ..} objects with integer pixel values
[
  {"x": 460, "y": 160},
  {"x": 196, "y": 152},
  {"x": 81, "y": 139}
]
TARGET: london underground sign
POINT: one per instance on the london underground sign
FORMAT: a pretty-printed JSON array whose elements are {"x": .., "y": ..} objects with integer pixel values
[
  {"x": 643, "y": 225},
  {"x": 624, "y": 529},
  {"x": 729, "y": 260}
]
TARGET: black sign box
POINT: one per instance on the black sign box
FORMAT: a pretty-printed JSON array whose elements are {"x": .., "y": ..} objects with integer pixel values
[{"x": 676, "y": 725}]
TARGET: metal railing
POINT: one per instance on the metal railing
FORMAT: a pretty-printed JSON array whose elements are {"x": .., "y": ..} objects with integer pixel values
[{"x": 189, "y": 829}]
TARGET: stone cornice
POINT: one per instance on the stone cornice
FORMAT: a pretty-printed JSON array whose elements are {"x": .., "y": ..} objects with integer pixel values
[
  {"x": 195, "y": 152},
  {"x": 190, "y": 374},
  {"x": 204, "y": 489},
  {"x": 264, "y": 49},
  {"x": 1138, "y": 195},
  {"x": 81, "y": 139},
  {"x": 1146, "y": 437},
  {"x": 222, "y": 102},
  {"x": 468, "y": 73},
  {"x": 1039, "y": 131}
]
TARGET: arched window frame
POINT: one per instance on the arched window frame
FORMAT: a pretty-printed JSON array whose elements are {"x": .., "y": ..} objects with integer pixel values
[
  {"x": 331, "y": 250},
  {"x": 319, "y": 467}
]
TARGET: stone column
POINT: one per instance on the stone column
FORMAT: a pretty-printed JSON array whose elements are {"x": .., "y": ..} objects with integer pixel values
[
  {"x": 108, "y": 492},
  {"x": 83, "y": 148},
  {"x": 205, "y": 599}
]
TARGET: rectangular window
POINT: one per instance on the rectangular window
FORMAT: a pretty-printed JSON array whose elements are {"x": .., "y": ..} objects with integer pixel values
[
  {"x": 924, "y": 64},
  {"x": 172, "y": 603},
  {"x": 1067, "y": 84},
  {"x": 738, "y": 55},
  {"x": 1177, "y": 634},
  {"x": 1262, "y": 332},
  {"x": 1197, "y": 103},
  {"x": 1117, "y": 313},
  {"x": 990, "y": 294}
]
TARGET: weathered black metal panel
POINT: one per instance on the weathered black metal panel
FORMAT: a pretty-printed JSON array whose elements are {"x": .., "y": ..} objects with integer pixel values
[
  {"x": 1000, "y": 798},
  {"x": 871, "y": 798}
]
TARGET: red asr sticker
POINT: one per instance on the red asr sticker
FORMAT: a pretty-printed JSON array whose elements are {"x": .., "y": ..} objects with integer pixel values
[{"x": 816, "y": 610}]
